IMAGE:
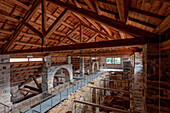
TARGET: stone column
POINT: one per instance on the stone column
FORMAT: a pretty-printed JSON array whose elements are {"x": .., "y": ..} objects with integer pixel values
[
  {"x": 45, "y": 72},
  {"x": 82, "y": 66},
  {"x": 152, "y": 77},
  {"x": 5, "y": 96},
  {"x": 138, "y": 83},
  {"x": 90, "y": 66},
  {"x": 68, "y": 59}
]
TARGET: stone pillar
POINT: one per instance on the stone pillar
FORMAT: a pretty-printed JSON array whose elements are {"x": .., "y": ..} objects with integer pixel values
[
  {"x": 90, "y": 66},
  {"x": 82, "y": 66},
  {"x": 45, "y": 72},
  {"x": 68, "y": 59},
  {"x": 138, "y": 83},
  {"x": 5, "y": 96},
  {"x": 152, "y": 77}
]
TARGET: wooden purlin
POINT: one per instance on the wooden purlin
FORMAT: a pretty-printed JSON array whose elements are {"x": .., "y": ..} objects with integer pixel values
[
  {"x": 133, "y": 31},
  {"x": 13, "y": 37},
  {"x": 123, "y": 9},
  {"x": 92, "y": 45}
]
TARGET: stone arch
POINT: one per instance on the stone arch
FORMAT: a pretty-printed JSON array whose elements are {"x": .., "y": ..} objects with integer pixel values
[
  {"x": 54, "y": 69},
  {"x": 93, "y": 66}
]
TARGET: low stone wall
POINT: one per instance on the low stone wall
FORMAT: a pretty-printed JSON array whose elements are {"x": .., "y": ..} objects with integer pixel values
[{"x": 24, "y": 105}]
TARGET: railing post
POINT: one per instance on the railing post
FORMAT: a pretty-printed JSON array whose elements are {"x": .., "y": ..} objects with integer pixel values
[{"x": 60, "y": 96}]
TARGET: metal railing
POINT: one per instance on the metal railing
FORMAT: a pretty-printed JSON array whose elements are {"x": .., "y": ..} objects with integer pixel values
[
  {"x": 6, "y": 108},
  {"x": 62, "y": 92}
]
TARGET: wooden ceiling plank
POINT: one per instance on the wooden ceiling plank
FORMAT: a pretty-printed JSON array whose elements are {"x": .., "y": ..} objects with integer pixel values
[
  {"x": 123, "y": 7},
  {"x": 97, "y": 31},
  {"x": 133, "y": 31},
  {"x": 13, "y": 37},
  {"x": 6, "y": 31},
  {"x": 2, "y": 16},
  {"x": 37, "y": 66},
  {"x": 20, "y": 4},
  {"x": 28, "y": 44},
  {"x": 163, "y": 26},
  {"x": 57, "y": 23},
  {"x": 64, "y": 23}
]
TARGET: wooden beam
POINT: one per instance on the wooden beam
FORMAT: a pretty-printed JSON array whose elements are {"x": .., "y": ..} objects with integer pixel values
[
  {"x": 57, "y": 23},
  {"x": 20, "y": 4},
  {"x": 94, "y": 24},
  {"x": 13, "y": 37},
  {"x": 32, "y": 88},
  {"x": 6, "y": 31},
  {"x": 107, "y": 30},
  {"x": 36, "y": 82},
  {"x": 89, "y": 3},
  {"x": 88, "y": 40},
  {"x": 123, "y": 9},
  {"x": 103, "y": 107},
  {"x": 33, "y": 29},
  {"x": 109, "y": 89},
  {"x": 81, "y": 34},
  {"x": 44, "y": 22},
  {"x": 146, "y": 13},
  {"x": 34, "y": 92},
  {"x": 112, "y": 43},
  {"x": 97, "y": 31},
  {"x": 2, "y": 42},
  {"x": 29, "y": 79},
  {"x": 165, "y": 25},
  {"x": 142, "y": 22},
  {"x": 133, "y": 31},
  {"x": 165, "y": 45},
  {"x": 2, "y": 16},
  {"x": 64, "y": 23}
]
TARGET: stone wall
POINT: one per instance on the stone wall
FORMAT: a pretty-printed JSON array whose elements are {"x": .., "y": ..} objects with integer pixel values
[
  {"x": 138, "y": 83},
  {"x": 5, "y": 96},
  {"x": 156, "y": 68}
]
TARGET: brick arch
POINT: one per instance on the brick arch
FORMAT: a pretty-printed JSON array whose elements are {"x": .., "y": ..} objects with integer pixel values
[
  {"x": 93, "y": 66},
  {"x": 54, "y": 69}
]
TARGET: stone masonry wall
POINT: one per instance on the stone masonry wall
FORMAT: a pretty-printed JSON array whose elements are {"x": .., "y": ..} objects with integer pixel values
[
  {"x": 5, "y": 96},
  {"x": 158, "y": 78}
]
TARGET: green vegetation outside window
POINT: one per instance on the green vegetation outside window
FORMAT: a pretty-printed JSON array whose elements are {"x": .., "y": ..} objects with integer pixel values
[{"x": 113, "y": 60}]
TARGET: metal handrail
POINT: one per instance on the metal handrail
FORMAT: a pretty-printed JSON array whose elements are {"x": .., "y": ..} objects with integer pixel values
[
  {"x": 35, "y": 111},
  {"x": 5, "y": 107},
  {"x": 61, "y": 90}
]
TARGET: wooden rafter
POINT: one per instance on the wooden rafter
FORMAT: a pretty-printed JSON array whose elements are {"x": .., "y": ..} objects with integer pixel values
[
  {"x": 163, "y": 26},
  {"x": 123, "y": 9},
  {"x": 44, "y": 22},
  {"x": 88, "y": 40},
  {"x": 13, "y": 37},
  {"x": 56, "y": 23},
  {"x": 33, "y": 29},
  {"x": 133, "y": 31}
]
